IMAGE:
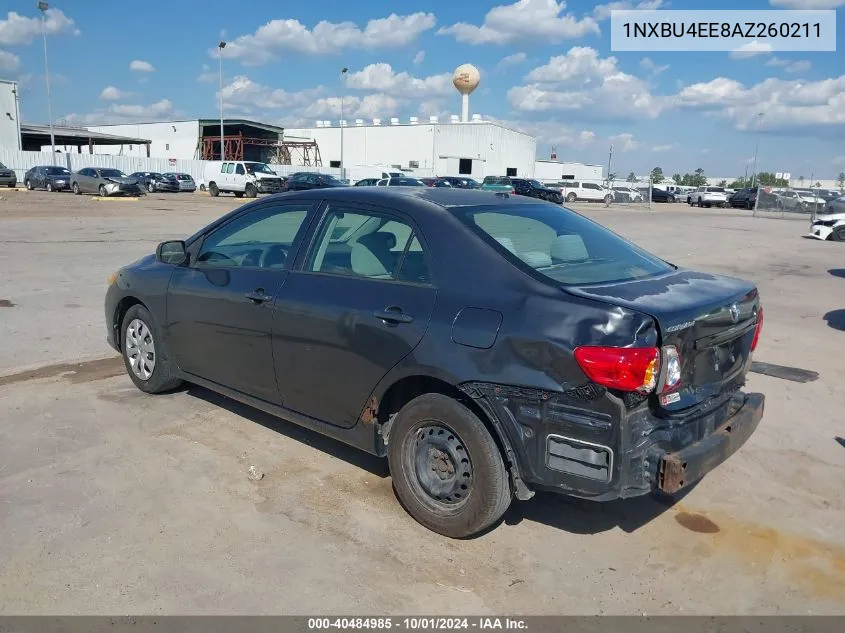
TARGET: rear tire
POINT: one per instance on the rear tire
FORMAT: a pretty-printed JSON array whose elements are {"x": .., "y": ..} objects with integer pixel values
[
  {"x": 144, "y": 355},
  {"x": 250, "y": 191},
  {"x": 838, "y": 234},
  {"x": 28, "y": 185},
  {"x": 213, "y": 190},
  {"x": 447, "y": 470},
  {"x": 202, "y": 188},
  {"x": 571, "y": 197}
]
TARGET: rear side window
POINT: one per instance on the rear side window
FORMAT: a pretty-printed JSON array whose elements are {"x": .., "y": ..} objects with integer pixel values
[{"x": 560, "y": 245}]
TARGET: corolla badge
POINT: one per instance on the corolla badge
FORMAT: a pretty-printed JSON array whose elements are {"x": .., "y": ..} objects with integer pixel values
[{"x": 734, "y": 310}]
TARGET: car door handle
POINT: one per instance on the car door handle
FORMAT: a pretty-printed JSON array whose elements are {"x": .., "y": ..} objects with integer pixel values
[
  {"x": 393, "y": 316},
  {"x": 259, "y": 295}
]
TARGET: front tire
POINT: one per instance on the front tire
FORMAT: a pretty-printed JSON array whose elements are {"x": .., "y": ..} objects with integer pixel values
[
  {"x": 838, "y": 234},
  {"x": 571, "y": 197},
  {"x": 151, "y": 187},
  {"x": 49, "y": 187},
  {"x": 103, "y": 193},
  {"x": 447, "y": 470},
  {"x": 144, "y": 356},
  {"x": 250, "y": 191},
  {"x": 75, "y": 188},
  {"x": 28, "y": 185}
]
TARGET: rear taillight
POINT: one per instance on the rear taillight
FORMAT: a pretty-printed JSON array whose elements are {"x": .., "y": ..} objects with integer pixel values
[
  {"x": 621, "y": 368},
  {"x": 757, "y": 329},
  {"x": 671, "y": 378}
]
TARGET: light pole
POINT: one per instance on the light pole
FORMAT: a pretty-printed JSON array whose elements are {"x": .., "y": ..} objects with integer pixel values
[
  {"x": 43, "y": 6},
  {"x": 759, "y": 117},
  {"x": 221, "y": 46},
  {"x": 343, "y": 72}
]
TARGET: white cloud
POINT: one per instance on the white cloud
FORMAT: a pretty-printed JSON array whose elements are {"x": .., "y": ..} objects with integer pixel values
[
  {"x": 511, "y": 60},
  {"x": 583, "y": 84},
  {"x": 527, "y": 20},
  {"x": 419, "y": 57},
  {"x": 786, "y": 105},
  {"x": 325, "y": 38},
  {"x": 624, "y": 142},
  {"x": 140, "y": 66},
  {"x": 751, "y": 49},
  {"x": 8, "y": 62},
  {"x": 19, "y": 29},
  {"x": 798, "y": 66},
  {"x": 382, "y": 78},
  {"x": 433, "y": 107},
  {"x": 602, "y": 11},
  {"x": 123, "y": 113},
  {"x": 807, "y": 4},
  {"x": 663, "y": 148},
  {"x": 243, "y": 91},
  {"x": 651, "y": 67},
  {"x": 374, "y": 105},
  {"x": 110, "y": 93}
]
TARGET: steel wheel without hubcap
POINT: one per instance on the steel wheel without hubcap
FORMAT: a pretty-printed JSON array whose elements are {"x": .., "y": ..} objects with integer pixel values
[
  {"x": 442, "y": 466},
  {"x": 140, "y": 349}
]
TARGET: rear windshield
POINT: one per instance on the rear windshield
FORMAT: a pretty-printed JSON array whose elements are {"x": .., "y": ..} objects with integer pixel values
[
  {"x": 559, "y": 244},
  {"x": 497, "y": 180},
  {"x": 57, "y": 171},
  {"x": 716, "y": 189}
]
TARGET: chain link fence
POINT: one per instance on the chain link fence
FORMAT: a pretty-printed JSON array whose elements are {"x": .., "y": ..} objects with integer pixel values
[{"x": 787, "y": 202}]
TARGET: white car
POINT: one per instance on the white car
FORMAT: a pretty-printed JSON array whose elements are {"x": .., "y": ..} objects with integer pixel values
[
  {"x": 627, "y": 194},
  {"x": 830, "y": 223},
  {"x": 708, "y": 197},
  {"x": 572, "y": 191}
]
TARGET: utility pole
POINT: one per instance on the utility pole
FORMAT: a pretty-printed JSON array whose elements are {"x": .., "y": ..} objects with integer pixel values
[
  {"x": 343, "y": 72},
  {"x": 759, "y": 117},
  {"x": 43, "y": 6},
  {"x": 221, "y": 46},
  {"x": 609, "y": 163}
]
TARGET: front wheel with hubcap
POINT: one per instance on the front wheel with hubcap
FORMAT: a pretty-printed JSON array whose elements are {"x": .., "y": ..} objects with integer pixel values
[
  {"x": 49, "y": 186},
  {"x": 571, "y": 197},
  {"x": 144, "y": 356},
  {"x": 151, "y": 187},
  {"x": 103, "y": 192},
  {"x": 250, "y": 190},
  {"x": 28, "y": 185},
  {"x": 447, "y": 470},
  {"x": 75, "y": 188}
]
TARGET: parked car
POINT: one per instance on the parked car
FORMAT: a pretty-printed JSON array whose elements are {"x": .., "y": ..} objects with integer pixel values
[
  {"x": 627, "y": 194},
  {"x": 829, "y": 224},
  {"x": 615, "y": 384},
  {"x": 367, "y": 182},
  {"x": 661, "y": 195},
  {"x": 461, "y": 182},
  {"x": 800, "y": 201},
  {"x": 186, "y": 181},
  {"x": 49, "y": 177},
  {"x": 708, "y": 197},
  {"x": 242, "y": 178},
  {"x": 497, "y": 183},
  {"x": 589, "y": 191},
  {"x": 403, "y": 181},
  {"x": 104, "y": 181},
  {"x": 744, "y": 198},
  {"x": 303, "y": 180},
  {"x": 536, "y": 189},
  {"x": 153, "y": 181},
  {"x": 8, "y": 177}
]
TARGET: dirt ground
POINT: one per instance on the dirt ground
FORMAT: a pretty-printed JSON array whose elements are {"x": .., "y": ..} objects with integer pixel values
[{"x": 112, "y": 501}]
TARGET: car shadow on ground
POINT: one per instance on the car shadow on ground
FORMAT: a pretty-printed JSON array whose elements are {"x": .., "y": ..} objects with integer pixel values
[
  {"x": 372, "y": 464},
  {"x": 837, "y": 272},
  {"x": 835, "y": 319}
]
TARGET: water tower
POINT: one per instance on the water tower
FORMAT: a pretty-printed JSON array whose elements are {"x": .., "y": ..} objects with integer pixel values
[{"x": 465, "y": 80}]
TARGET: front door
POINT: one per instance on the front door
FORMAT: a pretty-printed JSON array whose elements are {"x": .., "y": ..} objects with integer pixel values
[
  {"x": 220, "y": 306},
  {"x": 359, "y": 303}
]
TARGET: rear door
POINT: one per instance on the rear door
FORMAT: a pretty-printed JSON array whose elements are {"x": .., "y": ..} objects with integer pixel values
[{"x": 357, "y": 304}]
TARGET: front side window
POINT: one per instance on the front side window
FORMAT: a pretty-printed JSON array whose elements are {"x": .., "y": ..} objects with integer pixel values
[
  {"x": 559, "y": 244},
  {"x": 260, "y": 239},
  {"x": 239, "y": 170},
  {"x": 356, "y": 243},
  {"x": 111, "y": 173}
]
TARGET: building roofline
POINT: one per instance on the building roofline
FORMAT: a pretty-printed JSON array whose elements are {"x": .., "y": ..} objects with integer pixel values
[
  {"x": 80, "y": 133},
  {"x": 567, "y": 162}
]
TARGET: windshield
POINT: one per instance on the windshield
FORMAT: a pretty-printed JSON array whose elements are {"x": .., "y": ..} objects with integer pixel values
[
  {"x": 397, "y": 174},
  {"x": 259, "y": 168},
  {"x": 559, "y": 244},
  {"x": 111, "y": 173},
  {"x": 331, "y": 180},
  {"x": 537, "y": 183},
  {"x": 497, "y": 180},
  {"x": 405, "y": 182},
  {"x": 58, "y": 171}
]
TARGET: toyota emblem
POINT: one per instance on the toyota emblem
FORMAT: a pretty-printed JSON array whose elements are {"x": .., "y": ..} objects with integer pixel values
[{"x": 734, "y": 310}]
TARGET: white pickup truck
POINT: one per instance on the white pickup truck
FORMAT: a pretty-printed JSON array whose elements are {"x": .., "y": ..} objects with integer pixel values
[{"x": 708, "y": 197}]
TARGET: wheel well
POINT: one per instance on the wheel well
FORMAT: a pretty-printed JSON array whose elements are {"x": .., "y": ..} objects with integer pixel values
[
  {"x": 406, "y": 389},
  {"x": 120, "y": 311}
]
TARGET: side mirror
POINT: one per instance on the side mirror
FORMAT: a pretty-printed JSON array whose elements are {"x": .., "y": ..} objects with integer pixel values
[{"x": 172, "y": 252}]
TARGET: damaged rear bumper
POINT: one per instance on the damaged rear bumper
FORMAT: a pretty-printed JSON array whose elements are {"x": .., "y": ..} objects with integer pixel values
[
  {"x": 678, "y": 469},
  {"x": 589, "y": 444}
]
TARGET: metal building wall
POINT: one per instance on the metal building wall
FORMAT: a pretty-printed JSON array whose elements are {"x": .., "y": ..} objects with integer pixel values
[
  {"x": 553, "y": 171},
  {"x": 9, "y": 124},
  {"x": 500, "y": 148},
  {"x": 170, "y": 139}
]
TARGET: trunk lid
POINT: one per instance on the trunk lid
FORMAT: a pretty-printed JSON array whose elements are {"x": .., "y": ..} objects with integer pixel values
[{"x": 710, "y": 319}]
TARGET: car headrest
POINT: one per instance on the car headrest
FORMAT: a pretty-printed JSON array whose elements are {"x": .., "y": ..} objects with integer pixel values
[
  {"x": 569, "y": 248},
  {"x": 378, "y": 242}
]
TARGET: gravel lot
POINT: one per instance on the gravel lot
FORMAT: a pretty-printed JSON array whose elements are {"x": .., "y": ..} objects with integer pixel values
[{"x": 112, "y": 501}]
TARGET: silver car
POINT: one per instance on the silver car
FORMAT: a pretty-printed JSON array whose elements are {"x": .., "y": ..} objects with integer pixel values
[
  {"x": 104, "y": 181},
  {"x": 186, "y": 182}
]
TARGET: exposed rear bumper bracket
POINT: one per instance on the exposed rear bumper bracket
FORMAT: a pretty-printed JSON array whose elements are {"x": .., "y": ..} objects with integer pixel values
[{"x": 682, "y": 468}]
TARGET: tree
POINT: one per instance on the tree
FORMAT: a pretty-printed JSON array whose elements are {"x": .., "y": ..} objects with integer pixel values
[
  {"x": 632, "y": 177},
  {"x": 612, "y": 176},
  {"x": 768, "y": 179},
  {"x": 842, "y": 179},
  {"x": 801, "y": 180},
  {"x": 818, "y": 185},
  {"x": 699, "y": 180},
  {"x": 741, "y": 183},
  {"x": 657, "y": 175},
  {"x": 724, "y": 183},
  {"x": 679, "y": 180}
]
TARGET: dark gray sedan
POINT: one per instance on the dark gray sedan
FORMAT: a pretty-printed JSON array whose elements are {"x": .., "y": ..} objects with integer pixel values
[
  {"x": 487, "y": 345},
  {"x": 103, "y": 181},
  {"x": 7, "y": 177}
]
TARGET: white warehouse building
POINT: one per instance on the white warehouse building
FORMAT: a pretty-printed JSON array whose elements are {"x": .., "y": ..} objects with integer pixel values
[
  {"x": 10, "y": 130},
  {"x": 476, "y": 148},
  {"x": 555, "y": 171}
]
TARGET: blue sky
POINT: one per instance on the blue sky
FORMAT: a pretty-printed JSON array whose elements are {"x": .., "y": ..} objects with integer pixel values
[{"x": 546, "y": 68}]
